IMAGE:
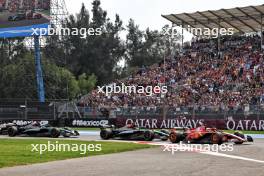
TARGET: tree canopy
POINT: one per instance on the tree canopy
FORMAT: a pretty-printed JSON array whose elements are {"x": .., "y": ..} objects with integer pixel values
[{"x": 73, "y": 65}]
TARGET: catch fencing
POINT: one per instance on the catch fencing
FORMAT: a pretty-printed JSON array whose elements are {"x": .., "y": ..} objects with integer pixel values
[{"x": 27, "y": 110}]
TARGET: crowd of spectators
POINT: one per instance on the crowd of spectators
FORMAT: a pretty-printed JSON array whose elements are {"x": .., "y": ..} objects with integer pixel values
[
  {"x": 200, "y": 76},
  {"x": 2, "y": 4}
]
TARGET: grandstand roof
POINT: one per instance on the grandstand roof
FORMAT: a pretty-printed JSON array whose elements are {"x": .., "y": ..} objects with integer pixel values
[{"x": 244, "y": 20}]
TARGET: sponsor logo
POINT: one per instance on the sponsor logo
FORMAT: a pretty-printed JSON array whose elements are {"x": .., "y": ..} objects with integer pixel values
[
  {"x": 168, "y": 123},
  {"x": 245, "y": 125},
  {"x": 24, "y": 122},
  {"x": 89, "y": 123}
]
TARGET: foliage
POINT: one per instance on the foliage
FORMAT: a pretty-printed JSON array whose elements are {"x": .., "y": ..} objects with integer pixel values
[
  {"x": 73, "y": 65},
  {"x": 20, "y": 81}
]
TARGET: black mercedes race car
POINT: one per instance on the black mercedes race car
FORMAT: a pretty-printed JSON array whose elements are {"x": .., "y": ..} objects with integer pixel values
[
  {"x": 132, "y": 133},
  {"x": 36, "y": 130},
  {"x": 17, "y": 17}
]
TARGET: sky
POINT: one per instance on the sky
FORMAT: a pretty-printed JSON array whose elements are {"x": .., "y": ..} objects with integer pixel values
[{"x": 147, "y": 13}]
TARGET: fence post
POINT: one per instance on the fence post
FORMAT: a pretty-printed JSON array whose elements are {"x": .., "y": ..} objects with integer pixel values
[
  {"x": 26, "y": 114},
  {"x": 258, "y": 113},
  {"x": 193, "y": 113},
  {"x": 54, "y": 111}
]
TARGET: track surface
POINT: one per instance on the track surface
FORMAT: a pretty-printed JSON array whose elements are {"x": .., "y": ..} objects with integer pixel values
[{"x": 152, "y": 162}]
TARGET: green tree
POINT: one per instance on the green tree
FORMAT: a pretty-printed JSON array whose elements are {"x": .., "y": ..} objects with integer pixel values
[
  {"x": 18, "y": 80},
  {"x": 95, "y": 54},
  {"x": 134, "y": 45},
  {"x": 86, "y": 83},
  {"x": 144, "y": 48}
]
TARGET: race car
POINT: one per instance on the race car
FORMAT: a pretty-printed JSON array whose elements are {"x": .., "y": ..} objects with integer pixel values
[
  {"x": 36, "y": 130},
  {"x": 4, "y": 127},
  {"x": 36, "y": 16},
  {"x": 204, "y": 135},
  {"x": 131, "y": 132},
  {"x": 30, "y": 15},
  {"x": 17, "y": 17}
]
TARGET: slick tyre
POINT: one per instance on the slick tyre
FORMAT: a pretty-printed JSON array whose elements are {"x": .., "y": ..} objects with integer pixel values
[
  {"x": 216, "y": 138},
  {"x": 175, "y": 137},
  {"x": 164, "y": 138},
  {"x": 12, "y": 131},
  {"x": 76, "y": 133},
  {"x": 250, "y": 139},
  {"x": 54, "y": 133},
  {"x": 238, "y": 142},
  {"x": 106, "y": 134},
  {"x": 148, "y": 135},
  {"x": 239, "y": 135}
]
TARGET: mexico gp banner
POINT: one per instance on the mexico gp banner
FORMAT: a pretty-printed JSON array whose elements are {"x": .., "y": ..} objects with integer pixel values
[{"x": 88, "y": 123}]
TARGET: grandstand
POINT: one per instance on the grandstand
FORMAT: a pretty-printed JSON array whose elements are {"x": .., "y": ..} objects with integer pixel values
[
  {"x": 243, "y": 20},
  {"x": 213, "y": 76}
]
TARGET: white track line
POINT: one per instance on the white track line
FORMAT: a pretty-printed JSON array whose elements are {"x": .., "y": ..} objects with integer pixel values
[
  {"x": 206, "y": 152},
  {"x": 231, "y": 156}
]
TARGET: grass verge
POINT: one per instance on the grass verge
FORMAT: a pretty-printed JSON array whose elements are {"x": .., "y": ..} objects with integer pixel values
[
  {"x": 15, "y": 152},
  {"x": 246, "y": 132},
  {"x": 229, "y": 131}
]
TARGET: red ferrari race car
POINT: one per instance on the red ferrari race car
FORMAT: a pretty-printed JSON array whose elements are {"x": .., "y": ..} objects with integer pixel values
[
  {"x": 30, "y": 15},
  {"x": 203, "y": 135}
]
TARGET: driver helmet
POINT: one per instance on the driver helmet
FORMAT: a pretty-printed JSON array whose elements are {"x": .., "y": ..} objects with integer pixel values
[
  {"x": 35, "y": 123},
  {"x": 132, "y": 125}
]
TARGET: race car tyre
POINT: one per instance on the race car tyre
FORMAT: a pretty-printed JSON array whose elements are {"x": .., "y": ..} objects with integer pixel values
[
  {"x": 239, "y": 135},
  {"x": 216, "y": 138},
  {"x": 12, "y": 131},
  {"x": 148, "y": 135},
  {"x": 175, "y": 137},
  {"x": 54, "y": 133},
  {"x": 105, "y": 134},
  {"x": 164, "y": 138},
  {"x": 238, "y": 142},
  {"x": 76, "y": 133},
  {"x": 249, "y": 139},
  {"x": 66, "y": 135}
]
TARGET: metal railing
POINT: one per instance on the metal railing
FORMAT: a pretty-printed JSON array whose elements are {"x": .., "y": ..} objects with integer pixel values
[
  {"x": 221, "y": 112},
  {"x": 27, "y": 110},
  {"x": 33, "y": 110}
]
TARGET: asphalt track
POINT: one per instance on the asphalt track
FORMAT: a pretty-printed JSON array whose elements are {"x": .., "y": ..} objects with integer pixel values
[{"x": 245, "y": 160}]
